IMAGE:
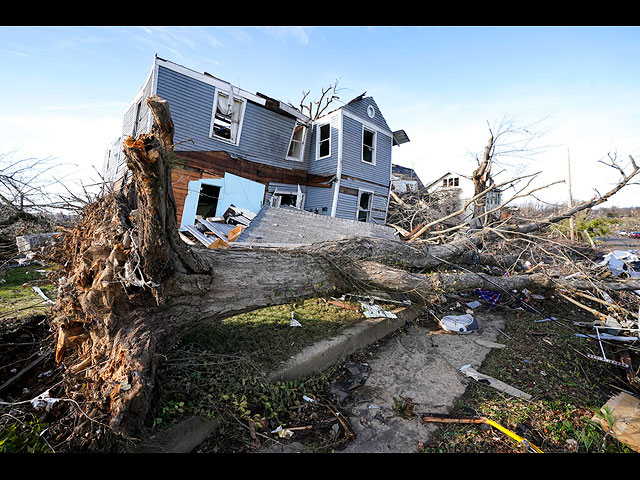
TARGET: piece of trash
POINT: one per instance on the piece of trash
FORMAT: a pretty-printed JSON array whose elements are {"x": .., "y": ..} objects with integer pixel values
[
  {"x": 283, "y": 432},
  {"x": 503, "y": 333},
  {"x": 41, "y": 293},
  {"x": 44, "y": 401},
  {"x": 474, "y": 304},
  {"x": 621, "y": 261},
  {"x": 444, "y": 418},
  {"x": 375, "y": 311},
  {"x": 606, "y": 336},
  {"x": 308, "y": 399},
  {"x": 545, "y": 320},
  {"x": 535, "y": 296},
  {"x": 294, "y": 322},
  {"x": 573, "y": 275},
  {"x": 490, "y": 296},
  {"x": 622, "y": 419},
  {"x": 492, "y": 382},
  {"x": 486, "y": 343},
  {"x": 371, "y": 407},
  {"x": 462, "y": 324}
]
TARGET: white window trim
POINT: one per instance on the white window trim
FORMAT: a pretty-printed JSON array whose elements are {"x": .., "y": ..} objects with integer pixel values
[
  {"x": 303, "y": 144},
  {"x": 358, "y": 209},
  {"x": 373, "y": 153},
  {"x": 235, "y": 141},
  {"x": 318, "y": 126}
]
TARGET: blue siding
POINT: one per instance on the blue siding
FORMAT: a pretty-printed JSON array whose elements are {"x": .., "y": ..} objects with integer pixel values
[
  {"x": 264, "y": 136},
  {"x": 347, "y": 204},
  {"x": 360, "y": 109},
  {"x": 352, "y": 163},
  {"x": 319, "y": 198},
  {"x": 327, "y": 165},
  {"x": 145, "y": 112}
]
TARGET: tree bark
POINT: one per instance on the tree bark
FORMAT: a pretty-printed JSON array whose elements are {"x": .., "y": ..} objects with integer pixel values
[{"x": 132, "y": 287}]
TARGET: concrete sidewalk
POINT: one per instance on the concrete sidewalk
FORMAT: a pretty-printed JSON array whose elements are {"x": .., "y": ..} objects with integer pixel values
[{"x": 187, "y": 435}]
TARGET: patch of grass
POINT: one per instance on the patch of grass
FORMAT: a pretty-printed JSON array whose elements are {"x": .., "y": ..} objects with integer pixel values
[
  {"x": 22, "y": 435},
  {"x": 541, "y": 359},
  {"x": 221, "y": 370},
  {"x": 17, "y": 297}
]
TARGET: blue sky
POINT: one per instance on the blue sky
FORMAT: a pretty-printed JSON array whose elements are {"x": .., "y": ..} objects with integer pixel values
[{"x": 63, "y": 90}]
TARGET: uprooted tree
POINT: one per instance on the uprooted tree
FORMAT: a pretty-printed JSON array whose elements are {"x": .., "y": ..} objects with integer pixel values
[{"x": 132, "y": 288}]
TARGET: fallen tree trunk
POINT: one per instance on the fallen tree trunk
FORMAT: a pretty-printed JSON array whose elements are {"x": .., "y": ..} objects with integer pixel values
[{"x": 132, "y": 288}]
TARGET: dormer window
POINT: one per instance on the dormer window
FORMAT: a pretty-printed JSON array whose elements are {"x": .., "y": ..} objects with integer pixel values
[
  {"x": 451, "y": 182},
  {"x": 227, "y": 117},
  {"x": 296, "y": 145},
  {"x": 323, "y": 146}
]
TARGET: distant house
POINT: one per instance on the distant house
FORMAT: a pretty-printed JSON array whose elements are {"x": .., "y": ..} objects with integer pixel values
[
  {"x": 462, "y": 189},
  {"x": 250, "y": 150},
  {"x": 404, "y": 180}
]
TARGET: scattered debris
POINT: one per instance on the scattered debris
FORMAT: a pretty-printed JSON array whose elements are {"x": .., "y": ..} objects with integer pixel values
[
  {"x": 41, "y": 293},
  {"x": 492, "y": 382},
  {"x": 620, "y": 417},
  {"x": 548, "y": 319},
  {"x": 44, "y": 401},
  {"x": 30, "y": 243},
  {"x": 438, "y": 417},
  {"x": 375, "y": 311},
  {"x": 621, "y": 261},
  {"x": 294, "y": 322},
  {"x": 283, "y": 432},
  {"x": 486, "y": 343},
  {"x": 461, "y": 324},
  {"x": 217, "y": 232},
  {"x": 490, "y": 296}
]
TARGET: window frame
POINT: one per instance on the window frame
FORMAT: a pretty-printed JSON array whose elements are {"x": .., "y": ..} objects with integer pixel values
[
  {"x": 359, "y": 208},
  {"x": 243, "y": 103},
  {"x": 303, "y": 143},
  {"x": 373, "y": 147},
  {"x": 318, "y": 141}
]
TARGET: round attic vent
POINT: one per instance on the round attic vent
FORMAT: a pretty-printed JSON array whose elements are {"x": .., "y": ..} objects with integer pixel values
[{"x": 371, "y": 111}]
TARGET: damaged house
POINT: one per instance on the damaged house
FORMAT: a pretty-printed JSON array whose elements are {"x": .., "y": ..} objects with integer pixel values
[
  {"x": 246, "y": 150},
  {"x": 404, "y": 180},
  {"x": 457, "y": 189}
]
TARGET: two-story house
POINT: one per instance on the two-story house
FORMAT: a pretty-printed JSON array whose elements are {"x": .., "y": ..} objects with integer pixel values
[{"x": 249, "y": 150}]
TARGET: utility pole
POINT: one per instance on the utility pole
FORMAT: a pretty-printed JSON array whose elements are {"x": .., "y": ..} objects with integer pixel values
[{"x": 571, "y": 219}]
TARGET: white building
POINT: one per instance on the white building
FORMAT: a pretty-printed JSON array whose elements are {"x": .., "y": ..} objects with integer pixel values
[{"x": 464, "y": 188}]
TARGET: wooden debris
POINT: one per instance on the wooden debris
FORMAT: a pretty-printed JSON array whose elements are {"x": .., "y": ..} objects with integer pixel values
[{"x": 623, "y": 411}]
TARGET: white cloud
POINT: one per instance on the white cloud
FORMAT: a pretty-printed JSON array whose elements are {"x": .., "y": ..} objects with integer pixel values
[
  {"x": 297, "y": 33},
  {"x": 76, "y": 144}
]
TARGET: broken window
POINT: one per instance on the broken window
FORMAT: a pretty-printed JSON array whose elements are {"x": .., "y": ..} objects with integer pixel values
[
  {"x": 296, "y": 146},
  {"x": 287, "y": 197},
  {"x": 227, "y": 117},
  {"x": 324, "y": 140},
  {"x": 368, "y": 146},
  {"x": 208, "y": 201},
  {"x": 364, "y": 206}
]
